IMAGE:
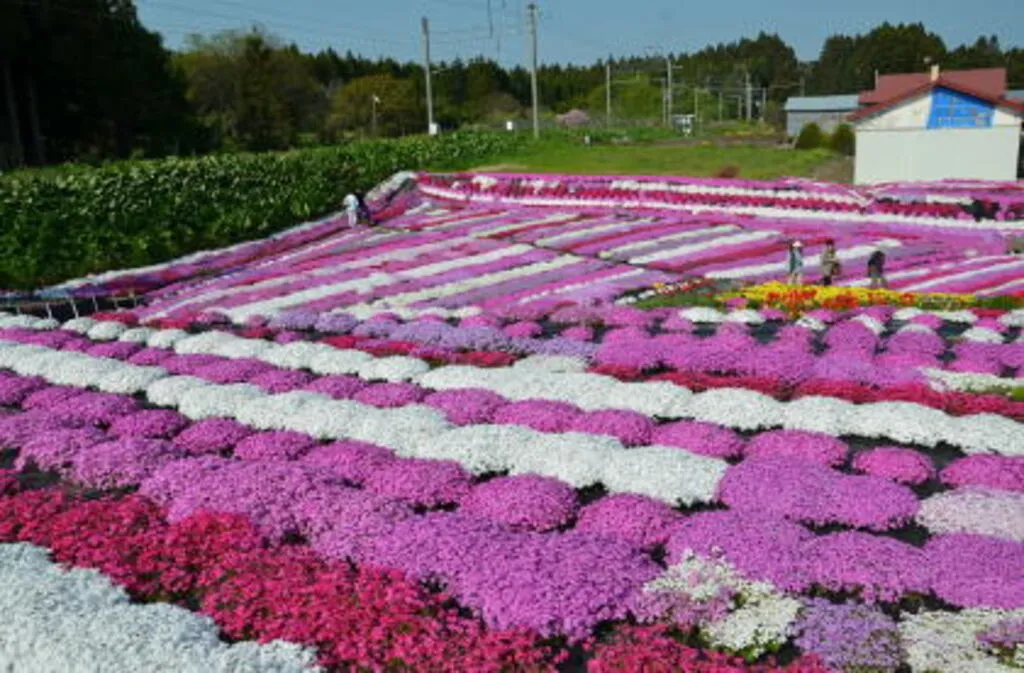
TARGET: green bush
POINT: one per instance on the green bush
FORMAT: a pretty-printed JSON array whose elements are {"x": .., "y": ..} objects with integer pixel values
[
  {"x": 810, "y": 137},
  {"x": 66, "y": 222},
  {"x": 843, "y": 141}
]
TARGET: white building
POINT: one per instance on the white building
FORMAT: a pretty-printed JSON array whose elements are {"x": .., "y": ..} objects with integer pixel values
[{"x": 940, "y": 129}]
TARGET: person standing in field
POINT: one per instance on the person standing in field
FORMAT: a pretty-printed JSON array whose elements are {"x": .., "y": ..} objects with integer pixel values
[
  {"x": 351, "y": 205},
  {"x": 795, "y": 263},
  {"x": 829, "y": 263},
  {"x": 876, "y": 270}
]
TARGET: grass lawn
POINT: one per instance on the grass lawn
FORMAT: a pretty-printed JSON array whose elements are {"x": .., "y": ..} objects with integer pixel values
[{"x": 559, "y": 156}]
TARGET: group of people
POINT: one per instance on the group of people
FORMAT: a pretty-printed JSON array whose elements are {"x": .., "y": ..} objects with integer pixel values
[{"x": 831, "y": 268}]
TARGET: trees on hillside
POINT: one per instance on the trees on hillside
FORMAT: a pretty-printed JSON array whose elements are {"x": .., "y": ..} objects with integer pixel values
[
  {"x": 84, "y": 78},
  {"x": 250, "y": 92},
  {"x": 353, "y": 107}
]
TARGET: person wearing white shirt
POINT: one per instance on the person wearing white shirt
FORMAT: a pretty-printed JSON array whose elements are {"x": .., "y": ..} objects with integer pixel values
[{"x": 351, "y": 204}]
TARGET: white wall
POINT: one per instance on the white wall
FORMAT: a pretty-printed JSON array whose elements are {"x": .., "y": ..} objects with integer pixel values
[
  {"x": 910, "y": 114},
  {"x": 937, "y": 154}
]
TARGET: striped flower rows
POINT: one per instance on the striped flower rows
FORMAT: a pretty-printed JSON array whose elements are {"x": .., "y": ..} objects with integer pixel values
[{"x": 462, "y": 252}]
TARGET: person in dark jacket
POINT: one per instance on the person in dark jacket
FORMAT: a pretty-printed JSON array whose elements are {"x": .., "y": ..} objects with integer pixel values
[
  {"x": 363, "y": 211},
  {"x": 876, "y": 270}
]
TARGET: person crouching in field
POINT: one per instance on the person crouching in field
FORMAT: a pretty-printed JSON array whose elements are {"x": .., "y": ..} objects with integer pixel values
[
  {"x": 830, "y": 267},
  {"x": 795, "y": 263},
  {"x": 876, "y": 270},
  {"x": 363, "y": 211}
]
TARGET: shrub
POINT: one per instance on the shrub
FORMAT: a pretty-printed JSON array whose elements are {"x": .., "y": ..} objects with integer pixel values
[
  {"x": 843, "y": 141},
  {"x": 810, "y": 138},
  {"x": 728, "y": 171},
  {"x": 74, "y": 220}
]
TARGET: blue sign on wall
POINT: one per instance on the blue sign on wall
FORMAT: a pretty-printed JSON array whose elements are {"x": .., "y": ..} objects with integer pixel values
[{"x": 955, "y": 110}]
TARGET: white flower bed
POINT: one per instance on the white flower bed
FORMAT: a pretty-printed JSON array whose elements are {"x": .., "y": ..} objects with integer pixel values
[
  {"x": 943, "y": 642},
  {"x": 80, "y": 325},
  {"x": 1014, "y": 318},
  {"x": 982, "y": 335},
  {"x": 107, "y": 330},
  {"x": 980, "y": 511},
  {"x": 76, "y": 620},
  {"x": 759, "y": 617},
  {"x": 138, "y": 335},
  {"x": 9, "y": 321}
]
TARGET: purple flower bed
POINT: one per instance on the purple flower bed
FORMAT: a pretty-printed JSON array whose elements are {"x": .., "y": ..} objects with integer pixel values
[
  {"x": 1001, "y": 472},
  {"x": 849, "y": 637},
  {"x": 814, "y": 494}
]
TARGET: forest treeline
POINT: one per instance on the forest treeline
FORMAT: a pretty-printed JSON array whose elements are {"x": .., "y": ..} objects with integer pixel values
[{"x": 84, "y": 80}]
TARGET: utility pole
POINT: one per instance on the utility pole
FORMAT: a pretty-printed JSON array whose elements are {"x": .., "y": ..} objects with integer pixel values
[
  {"x": 764, "y": 103},
  {"x": 719, "y": 102},
  {"x": 668, "y": 94},
  {"x": 608, "y": 91},
  {"x": 749, "y": 93},
  {"x": 426, "y": 72},
  {"x": 532, "y": 8}
]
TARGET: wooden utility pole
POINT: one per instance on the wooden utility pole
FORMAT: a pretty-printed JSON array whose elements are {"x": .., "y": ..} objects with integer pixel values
[
  {"x": 750, "y": 92},
  {"x": 426, "y": 71},
  {"x": 668, "y": 89},
  {"x": 608, "y": 91},
  {"x": 532, "y": 8}
]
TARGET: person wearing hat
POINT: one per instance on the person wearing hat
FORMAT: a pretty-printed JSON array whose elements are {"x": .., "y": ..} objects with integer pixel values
[{"x": 795, "y": 263}]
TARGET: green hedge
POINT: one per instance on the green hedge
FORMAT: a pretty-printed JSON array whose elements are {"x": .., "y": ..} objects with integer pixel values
[{"x": 63, "y": 223}]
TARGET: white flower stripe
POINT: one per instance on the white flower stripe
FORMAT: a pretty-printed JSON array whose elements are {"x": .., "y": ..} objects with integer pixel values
[
  {"x": 411, "y": 431},
  {"x": 59, "y": 620},
  {"x": 450, "y": 289},
  {"x": 680, "y": 188},
  {"x": 679, "y": 236},
  {"x": 721, "y": 241},
  {"x": 400, "y": 254},
  {"x": 734, "y": 408},
  {"x": 925, "y": 285}
]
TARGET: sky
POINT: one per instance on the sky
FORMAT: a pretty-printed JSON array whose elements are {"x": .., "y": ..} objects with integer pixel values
[{"x": 572, "y": 31}]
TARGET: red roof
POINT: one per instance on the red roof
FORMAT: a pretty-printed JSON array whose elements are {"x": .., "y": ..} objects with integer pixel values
[
  {"x": 991, "y": 82},
  {"x": 947, "y": 83}
]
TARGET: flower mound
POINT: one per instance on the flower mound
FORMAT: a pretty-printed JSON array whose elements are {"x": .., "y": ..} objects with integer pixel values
[
  {"x": 904, "y": 466},
  {"x": 811, "y": 447},
  {"x": 999, "y": 472},
  {"x": 523, "y": 502},
  {"x": 636, "y": 519},
  {"x": 849, "y": 637},
  {"x": 428, "y": 483},
  {"x": 815, "y": 494}
]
